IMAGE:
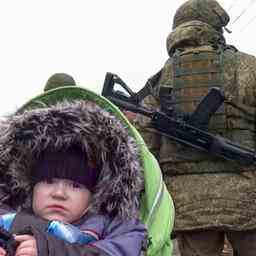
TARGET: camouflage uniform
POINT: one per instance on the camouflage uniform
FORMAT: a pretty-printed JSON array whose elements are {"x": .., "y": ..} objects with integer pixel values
[{"x": 209, "y": 193}]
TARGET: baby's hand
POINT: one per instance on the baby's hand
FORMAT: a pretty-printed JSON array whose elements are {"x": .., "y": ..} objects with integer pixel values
[
  {"x": 27, "y": 245},
  {"x": 2, "y": 251}
]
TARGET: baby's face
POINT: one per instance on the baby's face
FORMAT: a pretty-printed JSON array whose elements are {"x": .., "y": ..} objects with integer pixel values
[{"x": 60, "y": 199}]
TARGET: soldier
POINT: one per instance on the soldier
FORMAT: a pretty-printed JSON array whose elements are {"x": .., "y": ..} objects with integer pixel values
[
  {"x": 213, "y": 198},
  {"x": 58, "y": 80}
]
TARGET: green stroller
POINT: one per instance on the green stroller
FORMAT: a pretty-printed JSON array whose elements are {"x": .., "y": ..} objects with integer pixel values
[{"x": 156, "y": 206}]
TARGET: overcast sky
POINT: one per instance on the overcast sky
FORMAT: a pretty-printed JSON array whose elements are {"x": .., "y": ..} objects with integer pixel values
[{"x": 88, "y": 38}]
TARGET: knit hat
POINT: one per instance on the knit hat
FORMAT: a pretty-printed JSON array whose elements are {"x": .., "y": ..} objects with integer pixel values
[{"x": 71, "y": 164}]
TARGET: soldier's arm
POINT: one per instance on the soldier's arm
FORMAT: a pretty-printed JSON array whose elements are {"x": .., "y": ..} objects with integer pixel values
[
  {"x": 143, "y": 125},
  {"x": 247, "y": 78}
]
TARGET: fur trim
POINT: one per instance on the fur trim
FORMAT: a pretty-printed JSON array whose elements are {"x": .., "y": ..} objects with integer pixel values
[{"x": 106, "y": 139}]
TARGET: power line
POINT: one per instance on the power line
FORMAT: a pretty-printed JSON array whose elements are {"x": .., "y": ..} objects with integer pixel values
[
  {"x": 248, "y": 23},
  {"x": 232, "y": 5},
  {"x": 243, "y": 11}
]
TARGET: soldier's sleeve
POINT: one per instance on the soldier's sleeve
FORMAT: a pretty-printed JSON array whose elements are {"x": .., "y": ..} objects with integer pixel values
[
  {"x": 247, "y": 78},
  {"x": 143, "y": 125},
  {"x": 252, "y": 93}
]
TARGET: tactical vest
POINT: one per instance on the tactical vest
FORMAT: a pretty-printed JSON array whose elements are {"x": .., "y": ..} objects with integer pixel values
[{"x": 193, "y": 74}]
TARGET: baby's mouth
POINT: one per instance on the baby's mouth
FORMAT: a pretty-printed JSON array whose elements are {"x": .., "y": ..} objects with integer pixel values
[{"x": 57, "y": 207}]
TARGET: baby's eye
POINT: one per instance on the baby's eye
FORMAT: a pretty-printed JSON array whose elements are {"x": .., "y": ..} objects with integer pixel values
[{"x": 76, "y": 185}]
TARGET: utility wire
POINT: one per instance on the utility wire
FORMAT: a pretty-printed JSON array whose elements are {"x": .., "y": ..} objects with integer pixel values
[
  {"x": 243, "y": 11},
  {"x": 232, "y": 5},
  {"x": 248, "y": 23}
]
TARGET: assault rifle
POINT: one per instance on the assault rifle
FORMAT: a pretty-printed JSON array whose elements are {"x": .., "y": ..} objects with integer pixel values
[{"x": 188, "y": 130}]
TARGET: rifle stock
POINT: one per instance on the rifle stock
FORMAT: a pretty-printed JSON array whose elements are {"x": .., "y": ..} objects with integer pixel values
[{"x": 215, "y": 145}]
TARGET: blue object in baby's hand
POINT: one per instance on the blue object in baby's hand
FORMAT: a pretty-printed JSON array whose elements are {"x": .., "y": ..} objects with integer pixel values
[
  {"x": 6, "y": 220},
  {"x": 61, "y": 230},
  {"x": 69, "y": 233}
]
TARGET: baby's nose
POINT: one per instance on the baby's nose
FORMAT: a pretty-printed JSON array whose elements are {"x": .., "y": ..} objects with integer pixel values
[{"x": 59, "y": 190}]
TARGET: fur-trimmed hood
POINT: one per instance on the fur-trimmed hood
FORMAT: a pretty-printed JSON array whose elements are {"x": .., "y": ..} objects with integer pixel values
[{"x": 105, "y": 138}]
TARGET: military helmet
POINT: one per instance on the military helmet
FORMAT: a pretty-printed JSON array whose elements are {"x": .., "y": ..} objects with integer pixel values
[
  {"x": 59, "y": 80},
  {"x": 207, "y": 11}
]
